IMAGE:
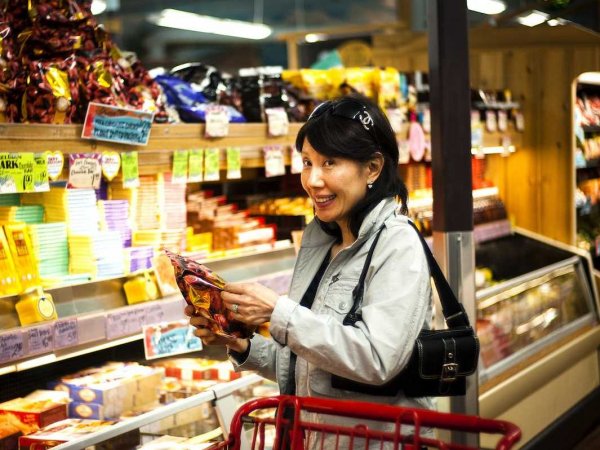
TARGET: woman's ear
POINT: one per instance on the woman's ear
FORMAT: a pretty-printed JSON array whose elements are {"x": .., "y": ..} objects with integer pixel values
[{"x": 375, "y": 166}]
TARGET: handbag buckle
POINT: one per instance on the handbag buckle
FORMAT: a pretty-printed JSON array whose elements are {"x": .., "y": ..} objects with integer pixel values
[{"x": 449, "y": 371}]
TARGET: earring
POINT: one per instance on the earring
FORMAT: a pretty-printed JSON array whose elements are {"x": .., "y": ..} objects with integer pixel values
[{"x": 369, "y": 185}]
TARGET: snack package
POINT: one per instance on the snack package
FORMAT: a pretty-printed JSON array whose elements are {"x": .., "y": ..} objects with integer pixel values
[{"x": 202, "y": 288}]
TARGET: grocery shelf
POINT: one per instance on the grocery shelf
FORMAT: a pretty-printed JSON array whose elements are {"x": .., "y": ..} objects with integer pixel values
[{"x": 161, "y": 412}]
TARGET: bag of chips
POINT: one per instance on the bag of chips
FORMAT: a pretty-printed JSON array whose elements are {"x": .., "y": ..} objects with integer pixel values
[{"x": 202, "y": 288}]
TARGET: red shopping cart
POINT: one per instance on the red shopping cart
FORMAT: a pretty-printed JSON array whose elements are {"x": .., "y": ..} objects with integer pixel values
[{"x": 300, "y": 433}]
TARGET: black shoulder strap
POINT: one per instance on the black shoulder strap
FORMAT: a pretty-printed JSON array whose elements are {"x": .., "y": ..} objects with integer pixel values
[{"x": 453, "y": 311}]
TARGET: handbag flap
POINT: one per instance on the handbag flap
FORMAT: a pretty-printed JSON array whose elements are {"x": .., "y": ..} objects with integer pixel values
[{"x": 447, "y": 353}]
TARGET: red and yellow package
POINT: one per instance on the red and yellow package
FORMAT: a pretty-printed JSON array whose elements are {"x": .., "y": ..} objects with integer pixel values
[
  {"x": 202, "y": 288},
  {"x": 23, "y": 254}
]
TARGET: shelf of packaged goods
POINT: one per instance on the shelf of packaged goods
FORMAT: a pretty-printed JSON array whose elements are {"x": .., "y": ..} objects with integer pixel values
[
  {"x": 426, "y": 203},
  {"x": 161, "y": 412},
  {"x": 251, "y": 138},
  {"x": 25, "y": 347},
  {"x": 94, "y": 315}
]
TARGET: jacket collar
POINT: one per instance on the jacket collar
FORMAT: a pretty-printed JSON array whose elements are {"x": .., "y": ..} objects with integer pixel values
[{"x": 314, "y": 236}]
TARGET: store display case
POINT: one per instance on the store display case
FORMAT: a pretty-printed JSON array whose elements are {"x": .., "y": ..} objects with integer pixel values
[{"x": 538, "y": 292}]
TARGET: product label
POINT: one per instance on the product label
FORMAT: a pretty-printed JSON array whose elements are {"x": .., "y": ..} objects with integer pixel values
[
  {"x": 20, "y": 243},
  {"x": 490, "y": 121},
  {"x": 40, "y": 173},
  {"x": 65, "y": 333},
  {"x": 297, "y": 164},
  {"x": 54, "y": 162},
  {"x": 40, "y": 339},
  {"x": 46, "y": 308}
]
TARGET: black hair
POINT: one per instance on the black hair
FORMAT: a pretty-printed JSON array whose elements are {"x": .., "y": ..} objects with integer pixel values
[{"x": 334, "y": 135}]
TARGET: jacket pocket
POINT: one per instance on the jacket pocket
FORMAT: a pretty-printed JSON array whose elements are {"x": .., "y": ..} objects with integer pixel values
[{"x": 338, "y": 299}]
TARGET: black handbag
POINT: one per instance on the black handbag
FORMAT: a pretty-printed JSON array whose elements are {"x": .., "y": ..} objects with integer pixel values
[{"x": 441, "y": 359}]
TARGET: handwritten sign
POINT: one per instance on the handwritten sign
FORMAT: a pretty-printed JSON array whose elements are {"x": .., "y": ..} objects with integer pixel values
[
  {"x": 274, "y": 162},
  {"x": 16, "y": 172},
  {"x": 173, "y": 338},
  {"x": 131, "y": 172},
  {"x": 40, "y": 173},
  {"x": 234, "y": 163},
  {"x": 111, "y": 163},
  {"x": 195, "y": 163},
  {"x": 125, "y": 323},
  {"x": 278, "y": 122},
  {"x": 211, "y": 164},
  {"x": 85, "y": 170},
  {"x": 297, "y": 163},
  {"x": 110, "y": 123},
  {"x": 154, "y": 314},
  {"x": 65, "y": 333},
  {"x": 180, "y": 167},
  {"x": 40, "y": 340},
  {"x": 54, "y": 164},
  {"x": 11, "y": 347},
  {"x": 217, "y": 121}
]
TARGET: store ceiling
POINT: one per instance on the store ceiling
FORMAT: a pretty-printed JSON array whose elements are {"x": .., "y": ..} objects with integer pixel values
[{"x": 159, "y": 44}]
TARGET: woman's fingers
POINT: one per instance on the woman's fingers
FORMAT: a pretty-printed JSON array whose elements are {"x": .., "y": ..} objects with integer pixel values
[{"x": 189, "y": 310}]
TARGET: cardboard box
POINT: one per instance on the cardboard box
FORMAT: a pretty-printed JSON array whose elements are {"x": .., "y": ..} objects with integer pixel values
[
  {"x": 38, "y": 413},
  {"x": 61, "y": 432}
]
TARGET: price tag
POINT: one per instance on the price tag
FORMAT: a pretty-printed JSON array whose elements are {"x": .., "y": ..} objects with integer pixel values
[
  {"x": 40, "y": 340},
  {"x": 16, "y": 172},
  {"x": 55, "y": 162},
  {"x": 403, "y": 151},
  {"x": 274, "y": 163},
  {"x": 234, "y": 163},
  {"x": 502, "y": 120},
  {"x": 476, "y": 135},
  {"x": 427, "y": 121},
  {"x": 475, "y": 119},
  {"x": 85, "y": 170},
  {"x": 427, "y": 155},
  {"x": 131, "y": 174},
  {"x": 154, "y": 314},
  {"x": 173, "y": 338},
  {"x": 296, "y": 158},
  {"x": 195, "y": 163},
  {"x": 180, "y": 167},
  {"x": 491, "y": 124},
  {"x": 40, "y": 173},
  {"x": 211, "y": 164},
  {"x": 217, "y": 121},
  {"x": 65, "y": 333},
  {"x": 519, "y": 121},
  {"x": 396, "y": 119},
  {"x": 11, "y": 346},
  {"x": 278, "y": 122},
  {"x": 117, "y": 324},
  {"x": 111, "y": 163},
  {"x": 506, "y": 144},
  {"x": 139, "y": 319}
]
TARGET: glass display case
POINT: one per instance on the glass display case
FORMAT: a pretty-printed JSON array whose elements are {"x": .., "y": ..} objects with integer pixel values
[{"x": 536, "y": 292}]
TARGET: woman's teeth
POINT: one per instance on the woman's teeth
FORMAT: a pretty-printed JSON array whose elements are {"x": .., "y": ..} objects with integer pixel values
[{"x": 324, "y": 199}]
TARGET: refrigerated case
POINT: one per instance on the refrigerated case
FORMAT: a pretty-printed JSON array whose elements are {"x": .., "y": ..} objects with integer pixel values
[
  {"x": 539, "y": 330},
  {"x": 542, "y": 293}
]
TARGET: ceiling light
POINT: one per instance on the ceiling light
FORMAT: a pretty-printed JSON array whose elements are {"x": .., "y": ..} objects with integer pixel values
[
  {"x": 533, "y": 18},
  {"x": 206, "y": 24},
  {"x": 315, "y": 37},
  {"x": 490, "y": 7},
  {"x": 98, "y": 7}
]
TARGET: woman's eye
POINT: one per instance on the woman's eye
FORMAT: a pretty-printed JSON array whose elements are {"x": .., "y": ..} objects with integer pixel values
[
  {"x": 328, "y": 163},
  {"x": 306, "y": 163}
]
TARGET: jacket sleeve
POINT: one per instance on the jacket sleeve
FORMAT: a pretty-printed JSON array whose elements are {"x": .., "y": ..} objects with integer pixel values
[
  {"x": 262, "y": 357},
  {"x": 396, "y": 305}
]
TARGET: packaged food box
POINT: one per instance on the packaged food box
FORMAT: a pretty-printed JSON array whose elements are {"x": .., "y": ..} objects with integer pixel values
[
  {"x": 60, "y": 432},
  {"x": 9, "y": 434},
  {"x": 34, "y": 413}
]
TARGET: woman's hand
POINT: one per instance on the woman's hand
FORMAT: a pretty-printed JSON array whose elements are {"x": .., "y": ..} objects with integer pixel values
[
  {"x": 204, "y": 332},
  {"x": 251, "y": 303}
]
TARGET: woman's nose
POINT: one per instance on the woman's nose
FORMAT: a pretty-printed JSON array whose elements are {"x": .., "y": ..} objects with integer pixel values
[{"x": 315, "y": 178}]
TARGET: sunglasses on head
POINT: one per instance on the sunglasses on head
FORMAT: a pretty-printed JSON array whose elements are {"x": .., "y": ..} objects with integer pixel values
[{"x": 350, "y": 110}]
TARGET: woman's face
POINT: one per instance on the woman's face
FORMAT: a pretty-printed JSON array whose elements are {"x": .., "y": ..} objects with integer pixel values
[{"x": 334, "y": 184}]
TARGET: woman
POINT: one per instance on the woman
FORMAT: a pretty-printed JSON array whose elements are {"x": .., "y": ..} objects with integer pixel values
[{"x": 350, "y": 172}]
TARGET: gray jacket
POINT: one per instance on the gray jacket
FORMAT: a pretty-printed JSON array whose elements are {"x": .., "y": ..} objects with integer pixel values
[{"x": 396, "y": 306}]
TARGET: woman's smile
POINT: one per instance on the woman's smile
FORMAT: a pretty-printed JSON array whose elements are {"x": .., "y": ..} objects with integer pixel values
[{"x": 323, "y": 201}]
